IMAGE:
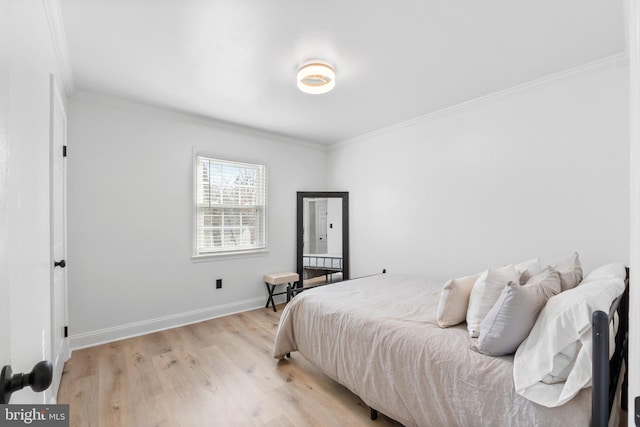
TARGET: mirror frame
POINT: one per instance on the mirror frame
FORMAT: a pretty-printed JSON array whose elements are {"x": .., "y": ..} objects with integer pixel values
[{"x": 344, "y": 195}]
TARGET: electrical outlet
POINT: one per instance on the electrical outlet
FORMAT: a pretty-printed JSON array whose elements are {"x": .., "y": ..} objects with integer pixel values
[{"x": 218, "y": 283}]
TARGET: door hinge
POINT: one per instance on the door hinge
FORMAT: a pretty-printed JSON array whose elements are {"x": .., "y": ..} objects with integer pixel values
[
  {"x": 66, "y": 332},
  {"x": 637, "y": 411},
  {"x": 64, "y": 151}
]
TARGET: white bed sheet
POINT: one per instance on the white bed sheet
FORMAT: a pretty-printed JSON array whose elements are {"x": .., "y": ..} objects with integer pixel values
[{"x": 378, "y": 336}]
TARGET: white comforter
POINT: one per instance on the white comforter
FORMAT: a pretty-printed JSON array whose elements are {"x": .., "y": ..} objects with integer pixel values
[{"x": 378, "y": 336}]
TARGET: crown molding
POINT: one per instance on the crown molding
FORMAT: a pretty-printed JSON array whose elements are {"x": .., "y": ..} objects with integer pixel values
[
  {"x": 613, "y": 61},
  {"x": 189, "y": 117},
  {"x": 59, "y": 40}
]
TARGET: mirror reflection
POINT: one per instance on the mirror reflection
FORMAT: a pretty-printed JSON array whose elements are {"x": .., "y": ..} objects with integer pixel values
[
  {"x": 323, "y": 237},
  {"x": 322, "y": 240}
]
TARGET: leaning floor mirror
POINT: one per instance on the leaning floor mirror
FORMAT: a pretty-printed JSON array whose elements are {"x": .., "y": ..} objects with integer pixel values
[{"x": 322, "y": 237}]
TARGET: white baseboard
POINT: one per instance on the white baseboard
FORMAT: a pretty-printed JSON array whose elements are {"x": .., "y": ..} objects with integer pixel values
[{"x": 102, "y": 336}]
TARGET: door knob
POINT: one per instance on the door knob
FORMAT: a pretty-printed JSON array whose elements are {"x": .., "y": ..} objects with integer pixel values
[
  {"x": 39, "y": 379},
  {"x": 61, "y": 264}
]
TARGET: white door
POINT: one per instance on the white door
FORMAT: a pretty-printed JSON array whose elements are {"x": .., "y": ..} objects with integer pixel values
[
  {"x": 321, "y": 226},
  {"x": 60, "y": 343}
]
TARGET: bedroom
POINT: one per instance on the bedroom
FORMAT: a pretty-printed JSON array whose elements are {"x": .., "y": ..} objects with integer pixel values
[{"x": 531, "y": 166}]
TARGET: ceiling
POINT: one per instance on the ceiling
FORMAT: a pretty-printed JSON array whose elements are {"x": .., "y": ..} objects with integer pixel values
[{"x": 236, "y": 60}]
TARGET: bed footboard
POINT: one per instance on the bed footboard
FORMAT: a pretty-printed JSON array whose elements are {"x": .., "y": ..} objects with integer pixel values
[{"x": 606, "y": 372}]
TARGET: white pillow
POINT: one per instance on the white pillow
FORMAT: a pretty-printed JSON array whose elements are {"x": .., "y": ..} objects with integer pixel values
[
  {"x": 565, "y": 321},
  {"x": 563, "y": 363},
  {"x": 454, "y": 300},
  {"x": 570, "y": 272},
  {"x": 485, "y": 293},
  {"x": 609, "y": 270},
  {"x": 528, "y": 269}
]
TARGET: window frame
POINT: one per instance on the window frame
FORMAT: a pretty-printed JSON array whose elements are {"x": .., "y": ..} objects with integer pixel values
[{"x": 195, "y": 256}]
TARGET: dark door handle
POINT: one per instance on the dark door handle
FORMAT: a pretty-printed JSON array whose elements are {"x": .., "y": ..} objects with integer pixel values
[
  {"x": 61, "y": 264},
  {"x": 39, "y": 379}
]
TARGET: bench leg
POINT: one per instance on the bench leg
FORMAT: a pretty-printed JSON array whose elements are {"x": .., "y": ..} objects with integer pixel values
[
  {"x": 295, "y": 289},
  {"x": 270, "y": 289}
]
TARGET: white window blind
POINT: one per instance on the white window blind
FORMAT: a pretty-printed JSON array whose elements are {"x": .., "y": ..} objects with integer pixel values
[{"x": 230, "y": 206}]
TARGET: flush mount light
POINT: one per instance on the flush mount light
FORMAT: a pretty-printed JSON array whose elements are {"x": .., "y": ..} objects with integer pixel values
[{"x": 316, "y": 77}]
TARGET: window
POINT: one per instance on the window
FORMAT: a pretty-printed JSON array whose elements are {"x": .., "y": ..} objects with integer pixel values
[{"x": 230, "y": 199}]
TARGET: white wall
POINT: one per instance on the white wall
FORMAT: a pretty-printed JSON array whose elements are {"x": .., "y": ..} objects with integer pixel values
[
  {"x": 32, "y": 60},
  {"x": 539, "y": 172},
  {"x": 130, "y": 218}
]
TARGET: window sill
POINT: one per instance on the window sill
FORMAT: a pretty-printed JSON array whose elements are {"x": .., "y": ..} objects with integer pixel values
[{"x": 229, "y": 255}]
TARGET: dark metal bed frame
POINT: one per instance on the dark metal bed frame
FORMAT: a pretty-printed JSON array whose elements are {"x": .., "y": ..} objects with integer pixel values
[{"x": 606, "y": 373}]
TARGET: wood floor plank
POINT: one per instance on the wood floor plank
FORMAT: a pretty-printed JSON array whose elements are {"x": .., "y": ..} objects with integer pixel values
[
  {"x": 240, "y": 385},
  {"x": 171, "y": 371},
  {"x": 281, "y": 421},
  {"x": 84, "y": 364},
  {"x": 143, "y": 378},
  {"x": 113, "y": 391},
  {"x": 217, "y": 372},
  {"x": 82, "y": 397},
  {"x": 153, "y": 412},
  {"x": 204, "y": 333},
  {"x": 155, "y": 343}
]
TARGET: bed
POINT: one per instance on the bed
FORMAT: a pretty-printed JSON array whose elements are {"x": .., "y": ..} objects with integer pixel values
[
  {"x": 329, "y": 262},
  {"x": 320, "y": 265},
  {"x": 378, "y": 336}
]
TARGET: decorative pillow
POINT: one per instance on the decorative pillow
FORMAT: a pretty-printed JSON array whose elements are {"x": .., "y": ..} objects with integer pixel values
[
  {"x": 548, "y": 280},
  {"x": 570, "y": 272},
  {"x": 485, "y": 293},
  {"x": 564, "y": 321},
  {"x": 511, "y": 318},
  {"x": 528, "y": 269},
  {"x": 454, "y": 300}
]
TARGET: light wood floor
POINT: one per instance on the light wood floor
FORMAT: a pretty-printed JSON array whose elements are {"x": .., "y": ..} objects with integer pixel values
[{"x": 214, "y": 373}]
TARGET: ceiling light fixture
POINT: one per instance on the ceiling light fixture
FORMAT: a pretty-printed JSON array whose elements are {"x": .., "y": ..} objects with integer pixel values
[{"x": 316, "y": 77}]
